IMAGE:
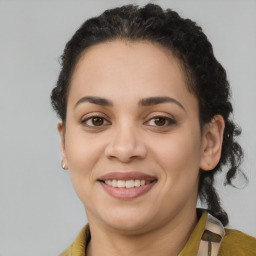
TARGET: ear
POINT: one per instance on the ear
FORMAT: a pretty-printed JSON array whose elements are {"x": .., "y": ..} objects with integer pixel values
[
  {"x": 212, "y": 143},
  {"x": 61, "y": 130}
]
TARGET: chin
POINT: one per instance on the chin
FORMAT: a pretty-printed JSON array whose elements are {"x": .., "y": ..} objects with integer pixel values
[
  {"x": 128, "y": 221},
  {"x": 130, "y": 227}
]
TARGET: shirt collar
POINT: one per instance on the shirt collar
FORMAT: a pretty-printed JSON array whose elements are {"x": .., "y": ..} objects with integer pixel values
[{"x": 207, "y": 223}]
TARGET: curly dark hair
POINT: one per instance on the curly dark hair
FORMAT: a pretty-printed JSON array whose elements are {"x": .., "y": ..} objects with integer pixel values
[{"x": 206, "y": 77}]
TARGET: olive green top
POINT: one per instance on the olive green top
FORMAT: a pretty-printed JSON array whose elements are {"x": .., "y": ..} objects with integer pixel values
[{"x": 233, "y": 242}]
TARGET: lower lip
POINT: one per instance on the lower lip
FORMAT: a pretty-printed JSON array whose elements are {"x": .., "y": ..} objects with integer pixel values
[{"x": 127, "y": 193}]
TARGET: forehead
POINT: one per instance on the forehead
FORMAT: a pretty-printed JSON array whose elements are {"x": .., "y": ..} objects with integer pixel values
[
  {"x": 138, "y": 57},
  {"x": 118, "y": 66}
]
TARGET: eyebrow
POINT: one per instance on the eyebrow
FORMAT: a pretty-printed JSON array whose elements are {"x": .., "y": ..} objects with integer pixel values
[
  {"x": 159, "y": 100},
  {"x": 143, "y": 102},
  {"x": 94, "y": 100}
]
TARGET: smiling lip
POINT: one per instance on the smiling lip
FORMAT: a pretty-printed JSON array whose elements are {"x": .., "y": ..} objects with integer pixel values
[
  {"x": 127, "y": 193},
  {"x": 127, "y": 176}
]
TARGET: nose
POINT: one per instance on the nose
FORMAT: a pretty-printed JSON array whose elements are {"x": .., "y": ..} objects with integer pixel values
[{"x": 126, "y": 145}]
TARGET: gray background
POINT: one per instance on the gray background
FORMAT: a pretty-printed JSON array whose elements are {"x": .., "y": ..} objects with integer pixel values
[{"x": 40, "y": 213}]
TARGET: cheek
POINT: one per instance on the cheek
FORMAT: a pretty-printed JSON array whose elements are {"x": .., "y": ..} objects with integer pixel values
[
  {"x": 83, "y": 154},
  {"x": 179, "y": 158},
  {"x": 179, "y": 149},
  {"x": 81, "y": 151}
]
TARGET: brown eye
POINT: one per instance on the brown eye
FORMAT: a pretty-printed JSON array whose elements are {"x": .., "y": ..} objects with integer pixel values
[
  {"x": 97, "y": 121},
  {"x": 160, "y": 121}
]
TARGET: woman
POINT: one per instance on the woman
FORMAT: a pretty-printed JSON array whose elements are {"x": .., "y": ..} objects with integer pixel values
[{"x": 145, "y": 126}]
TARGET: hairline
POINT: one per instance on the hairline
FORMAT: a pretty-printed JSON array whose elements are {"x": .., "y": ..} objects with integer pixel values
[{"x": 189, "y": 81}]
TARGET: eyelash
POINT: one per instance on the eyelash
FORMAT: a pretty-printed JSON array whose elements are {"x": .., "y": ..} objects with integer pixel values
[
  {"x": 167, "y": 121},
  {"x": 84, "y": 121}
]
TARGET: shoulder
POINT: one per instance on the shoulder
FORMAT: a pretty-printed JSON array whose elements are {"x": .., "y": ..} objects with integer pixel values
[
  {"x": 237, "y": 243},
  {"x": 66, "y": 252},
  {"x": 78, "y": 247}
]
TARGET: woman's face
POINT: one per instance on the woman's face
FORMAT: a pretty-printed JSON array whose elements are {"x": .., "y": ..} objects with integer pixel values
[{"x": 132, "y": 139}]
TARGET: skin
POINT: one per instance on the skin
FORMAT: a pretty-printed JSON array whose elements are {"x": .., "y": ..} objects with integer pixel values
[{"x": 130, "y": 138}]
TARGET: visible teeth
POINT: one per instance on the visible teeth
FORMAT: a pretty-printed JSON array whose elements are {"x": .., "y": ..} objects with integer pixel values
[
  {"x": 121, "y": 183},
  {"x": 126, "y": 183},
  {"x": 129, "y": 184},
  {"x": 137, "y": 183},
  {"x": 114, "y": 183}
]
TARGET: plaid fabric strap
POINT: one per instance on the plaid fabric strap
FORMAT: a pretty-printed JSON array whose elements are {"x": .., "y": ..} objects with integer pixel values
[{"x": 211, "y": 238}]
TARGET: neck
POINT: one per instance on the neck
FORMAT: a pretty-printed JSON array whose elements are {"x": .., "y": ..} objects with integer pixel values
[{"x": 164, "y": 240}]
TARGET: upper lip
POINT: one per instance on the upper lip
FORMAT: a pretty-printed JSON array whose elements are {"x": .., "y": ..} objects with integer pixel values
[{"x": 127, "y": 176}]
